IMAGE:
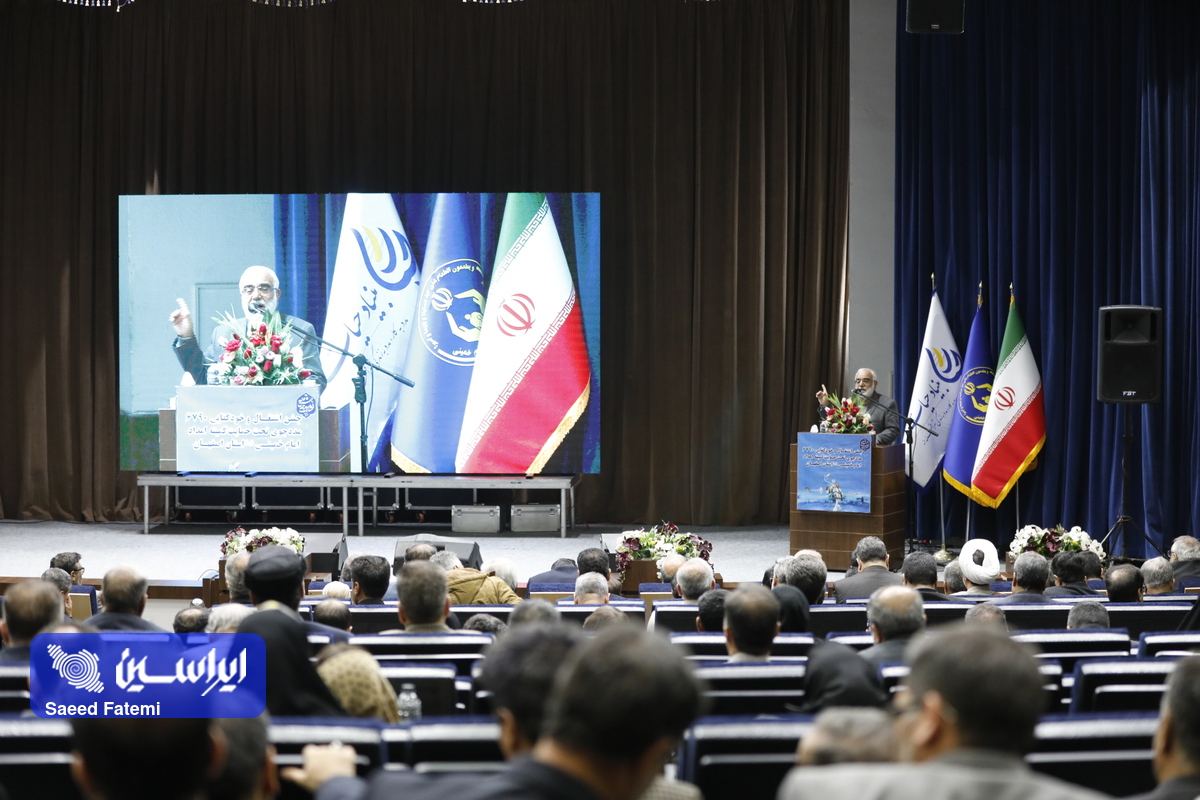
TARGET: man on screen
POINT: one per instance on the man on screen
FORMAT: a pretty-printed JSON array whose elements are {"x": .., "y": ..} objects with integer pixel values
[
  {"x": 259, "y": 294},
  {"x": 885, "y": 414}
]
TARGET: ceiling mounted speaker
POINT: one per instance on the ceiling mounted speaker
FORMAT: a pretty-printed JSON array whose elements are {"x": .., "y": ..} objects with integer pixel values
[{"x": 934, "y": 16}]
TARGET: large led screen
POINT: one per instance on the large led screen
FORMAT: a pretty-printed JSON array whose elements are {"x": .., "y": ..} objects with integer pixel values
[{"x": 244, "y": 319}]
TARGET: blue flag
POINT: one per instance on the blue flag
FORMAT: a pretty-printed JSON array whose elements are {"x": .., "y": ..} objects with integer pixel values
[
  {"x": 442, "y": 346},
  {"x": 966, "y": 423}
]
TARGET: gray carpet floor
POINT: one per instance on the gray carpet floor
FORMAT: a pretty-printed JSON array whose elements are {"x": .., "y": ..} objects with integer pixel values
[{"x": 185, "y": 552}]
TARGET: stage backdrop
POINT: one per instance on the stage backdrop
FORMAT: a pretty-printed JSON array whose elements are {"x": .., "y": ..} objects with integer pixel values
[
  {"x": 1053, "y": 145},
  {"x": 717, "y": 134}
]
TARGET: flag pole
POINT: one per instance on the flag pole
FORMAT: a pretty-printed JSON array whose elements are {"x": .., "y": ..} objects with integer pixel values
[{"x": 943, "y": 554}]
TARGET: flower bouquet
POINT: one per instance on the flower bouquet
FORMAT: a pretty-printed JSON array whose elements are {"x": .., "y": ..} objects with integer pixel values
[
  {"x": 846, "y": 416},
  {"x": 240, "y": 540},
  {"x": 265, "y": 357},
  {"x": 1051, "y": 541},
  {"x": 659, "y": 542}
]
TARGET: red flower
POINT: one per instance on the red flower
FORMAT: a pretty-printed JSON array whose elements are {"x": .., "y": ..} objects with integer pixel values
[
  {"x": 252, "y": 371},
  {"x": 287, "y": 358},
  {"x": 275, "y": 343},
  {"x": 256, "y": 341},
  {"x": 232, "y": 345},
  {"x": 304, "y": 373},
  {"x": 266, "y": 366},
  {"x": 262, "y": 329},
  {"x": 248, "y": 353}
]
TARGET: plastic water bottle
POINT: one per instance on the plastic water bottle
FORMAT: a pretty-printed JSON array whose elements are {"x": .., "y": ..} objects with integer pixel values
[{"x": 408, "y": 704}]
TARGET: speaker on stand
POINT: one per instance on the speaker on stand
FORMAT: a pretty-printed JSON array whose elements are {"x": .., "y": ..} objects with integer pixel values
[{"x": 1129, "y": 372}]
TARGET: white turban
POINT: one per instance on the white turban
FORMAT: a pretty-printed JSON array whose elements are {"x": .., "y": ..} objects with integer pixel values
[{"x": 979, "y": 574}]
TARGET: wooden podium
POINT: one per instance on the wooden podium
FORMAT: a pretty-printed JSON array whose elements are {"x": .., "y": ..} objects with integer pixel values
[{"x": 835, "y": 534}]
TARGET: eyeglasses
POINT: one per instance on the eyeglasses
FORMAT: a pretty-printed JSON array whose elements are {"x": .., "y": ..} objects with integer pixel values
[
  {"x": 79, "y": 569},
  {"x": 262, "y": 288}
]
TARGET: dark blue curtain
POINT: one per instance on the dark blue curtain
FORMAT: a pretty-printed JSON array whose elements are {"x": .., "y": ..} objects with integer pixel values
[{"x": 1054, "y": 146}]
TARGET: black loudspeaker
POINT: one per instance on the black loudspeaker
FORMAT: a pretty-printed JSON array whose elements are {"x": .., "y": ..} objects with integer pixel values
[
  {"x": 934, "y": 16},
  {"x": 466, "y": 550},
  {"x": 1130, "y": 355}
]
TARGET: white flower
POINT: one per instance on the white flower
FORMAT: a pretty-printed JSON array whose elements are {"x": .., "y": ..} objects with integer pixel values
[{"x": 297, "y": 357}]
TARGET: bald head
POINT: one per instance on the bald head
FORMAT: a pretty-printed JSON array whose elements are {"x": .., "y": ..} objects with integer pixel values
[
  {"x": 895, "y": 611},
  {"x": 670, "y": 566},
  {"x": 694, "y": 578},
  {"x": 124, "y": 591}
]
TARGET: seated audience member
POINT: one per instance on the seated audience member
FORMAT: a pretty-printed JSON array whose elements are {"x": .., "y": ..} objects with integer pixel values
[
  {"x": 966, "y": 735},
  {"x": 794, "y": 616},
  {"x": 593, "y": 559},
  {"x": 1030, "y": 573},
  {"x": 895, "y": 614},
  {"x": 235, "y": 577},
  {"x": 667, "y": 571},
  {"x": 768, "y": 578},
  {"x": 70, "y": 563},
  {"x": 420, "y": 551},
  {"x": 836, "y": 676},
  {"x": 332, "y": 612},
  {"x": 337, "y": 590},
  {"x": 584, "y": 747},
  {"x": 193, "y": 619},
  {"x": 1185, "y": 557},
  {"x": 1177, "y": 740},
  {"x": 502, "y": 568},
  {"x": 60, "y": 580},
  {"x": 294, "y": 689},
  {"x": 1087, "y": 614},
  {"x": 694, "y": 578},
  {"x": 123, "y": 596},
  {"x": 751, "y": 624},
  {"x": 561, "y": 571},
  {"x": 710, "y": 611},
  {"x": 1159, "y": 577},
  {"x": 848, "y": 736},
  {"x": 780, "y": 569},
  {"x": 808, "y": 574},
  {"x": 249, "y": 772},
  {"x": 274, "y": 577},
  {"x": 603, "y": 617},
  {"x": 1093, "y": 568},
  {"x": 919, "y": 572},
  {"x": 353, "y": 677},
  {"x": 144, "y": 758},
  {"x": 472, "y": 587},
  {"x": 1068, "y": 576},
  {"x": 29, "y": 607},
  {"x": 872, "y": 561},
  {"x": 424, "y": 598},
  {"x": 980, "y": 565},
  {"x": 226, "y": 617},
  {"x": 953, "y": 577},
  {"x": 369, "y": 578},
  {"x": 986, "y": 613},
  {"x": 532, "y": 612},
  {"x": 591, "y": 589},
  {"x": 1125, "y": 584},
  {"x": 485, "y": 623}
]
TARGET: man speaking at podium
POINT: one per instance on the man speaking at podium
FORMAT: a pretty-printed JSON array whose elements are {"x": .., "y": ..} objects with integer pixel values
[
  {"x": 885, "y": 414},
  {"x": 259, "y": 294}
]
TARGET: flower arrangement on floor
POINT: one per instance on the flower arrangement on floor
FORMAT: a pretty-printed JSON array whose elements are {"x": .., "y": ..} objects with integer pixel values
[
  {"x": 659, "y": 542},
  {"x": 240, "y": 540},
  {"x": 265, "y": 357},
  {"x": 846, "y": 416},
  {"x": 1051, "y": 541}
]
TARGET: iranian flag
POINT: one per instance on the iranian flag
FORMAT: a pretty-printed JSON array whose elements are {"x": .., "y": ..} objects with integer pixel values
[
  {"x": 532, "y": 380},
  {"x": 1014, "y": 429}
]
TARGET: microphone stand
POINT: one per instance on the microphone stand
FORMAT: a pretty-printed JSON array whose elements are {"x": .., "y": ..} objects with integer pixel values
[
  {"x": 910, "y": 486},
  {"x": 360, "y": 387}
]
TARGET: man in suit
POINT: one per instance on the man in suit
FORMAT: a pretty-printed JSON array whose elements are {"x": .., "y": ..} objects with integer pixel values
[
  {"x": 895, "y": 614},
  {"x": 1125, "y": 584},
  {"x": 884, "y": 413},
  {"x": 369, "y": 579},
  {"x": 751, "y": 624},
  {"x": 1185, "y": 558},
  {"x": 123, "y": 595},
  {"x": 1069, "y": 577},
  {"x": 29, "y": 607},
  {"x": 1177, "y": 739},
  {"x": 966, "y": 736},
  {"x": 872, "y": 574},
  {"x": 1030, "y": 573},
  {"x": 259, "y": 293},
  {"x": 1158, "y": 575},
  {"x": 920, "y": 572}
]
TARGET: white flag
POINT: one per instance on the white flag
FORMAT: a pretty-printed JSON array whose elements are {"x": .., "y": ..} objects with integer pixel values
[
  {"x": 939, "y": 370},
  {"x": 371, "y": 306}
]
